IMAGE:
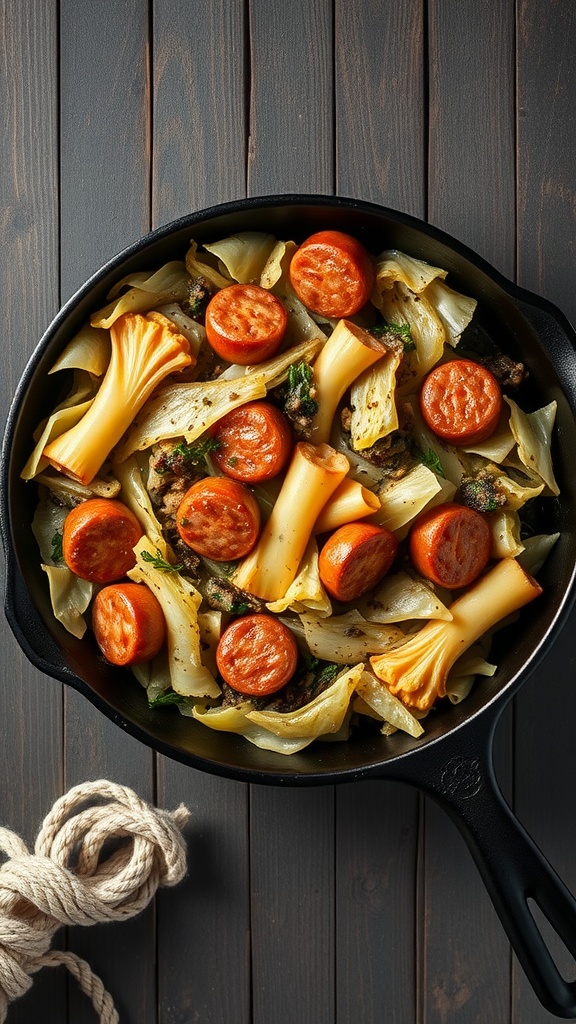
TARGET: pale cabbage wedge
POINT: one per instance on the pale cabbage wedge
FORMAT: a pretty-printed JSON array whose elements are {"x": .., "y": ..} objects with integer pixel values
[
  {"x": 244, "y": 255},
  {"x": 88, "y": 350},
  {"x": 348, "y": 637},
  {"x": 498, "y": 446},
  {"x": 536, "y": 551},
  {"x": 136, "y": 497},
  {"x": 70, "y": 491},
  {"x": 306, "y": 591},
  {"x": 465, "y": 671},
  {"x": 207, "y": 266},
  {"x": 454, "y": 310},
  {"x": 386, "y": 706},
  {"x": 517, "y": 487},
  {"x": 402, "y": 500},
  {"x": 194, "y": 332},
  {"x": 533, "y": 434},
  {"x": 62, "y": 419},
  {"x": 153, "y": 675},
  {"x": 146, "y": 291},
  {"x": 322, "y": 716},
  {"x": 402, "y": 306},
  {"x": 505, "y": 533},
  {"x": 180, "y": 602},
  {"x": 393, "y": 266},
  {"x": 69, "y": 595},
  {"x": 275, "y": 273},
  {"x": 400, "y": 598},
  {"x": 187, "y": 410},
  {"x": 374, "y": 413},
  {"x": 234, "y": 719}
]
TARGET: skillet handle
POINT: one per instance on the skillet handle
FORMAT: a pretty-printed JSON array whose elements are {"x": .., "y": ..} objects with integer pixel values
[{"x": 512, "y": 867}]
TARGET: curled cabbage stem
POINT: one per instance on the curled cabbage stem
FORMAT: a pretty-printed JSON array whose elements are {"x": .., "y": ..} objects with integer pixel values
[{"x": 416, "y": 672}]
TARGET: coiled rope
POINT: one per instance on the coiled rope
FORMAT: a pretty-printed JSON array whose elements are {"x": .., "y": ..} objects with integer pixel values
[{"x": 71, "y": 878}]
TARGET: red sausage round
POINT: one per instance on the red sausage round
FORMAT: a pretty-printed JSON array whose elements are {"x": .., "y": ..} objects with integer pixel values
[
  {"x": 254, "y": 442},
  {"x": 98, "y": 538},
  {"x": 128, "y": 623},
  {"x": 450, "y": 545},
  {"x": 461, "y": 401},
  {"x": 219, "y": 518},
  {"x": 332, "y": 274},
  {"x": 245, "y": 323},
  {"x": 257, "y": 655},
  {"x": 355, "y": 558}
]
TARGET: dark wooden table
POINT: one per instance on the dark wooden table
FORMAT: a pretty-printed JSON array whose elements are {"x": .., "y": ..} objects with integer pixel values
[{"x": 359, "y": 904}]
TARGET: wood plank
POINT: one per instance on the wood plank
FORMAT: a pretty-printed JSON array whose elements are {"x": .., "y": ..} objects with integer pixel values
[
  {"x": 198, "y": 159},
  {"x": 31, "y": 777},
  {"x": 546, "y": 767},
  {"x": 380, "y": 143},
  {"x": 105, "y": 205},
  {"x": 291, "y": 98},
  {"x": 471, "y": 133},
  {"x": 379, "y": 157}
]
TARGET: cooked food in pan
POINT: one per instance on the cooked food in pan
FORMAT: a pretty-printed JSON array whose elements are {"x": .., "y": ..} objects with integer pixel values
[{"x": 287, "y": 485}]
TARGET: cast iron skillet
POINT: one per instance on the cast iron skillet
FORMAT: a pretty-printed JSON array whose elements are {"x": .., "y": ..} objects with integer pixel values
[{"x": 453, "y": 761}]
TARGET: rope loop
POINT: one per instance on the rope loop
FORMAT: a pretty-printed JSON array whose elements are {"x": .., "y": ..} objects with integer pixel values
[{"x": 100, "y": 855}]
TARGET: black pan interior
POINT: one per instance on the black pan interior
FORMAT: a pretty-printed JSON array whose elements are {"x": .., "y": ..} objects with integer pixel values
[{"x": 521, "y": 325}]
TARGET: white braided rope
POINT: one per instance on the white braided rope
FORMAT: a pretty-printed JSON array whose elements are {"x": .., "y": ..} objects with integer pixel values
[{"x": 71, "y": 879}]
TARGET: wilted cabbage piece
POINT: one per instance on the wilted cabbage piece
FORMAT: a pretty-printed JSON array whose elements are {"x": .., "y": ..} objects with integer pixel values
[
  {"x": 402, "y": 306},
  {"x": 180, "y": 602},
  {"x": 505, "y": 528},
  {"x": 454, "y": 310},
  {"x": 402, "y": 500},
  {"x": 347, "y": 638},
  {"x": 70, "y": 596},
  {"x": 88, "y": 350},
  {"x": 374, "y": 413},
  {"x": 306, "y": 591},
  {"x": 536, "y": 551},
  {"x": 386, "y": 706},
  {"x": 533, "y": 434},
  {"x": 393, "y": 266},
  {"x": 322, "y": 716},
  {"x": 275, "y": 273},
  {"x": 401, "y": 597},
  {"x": 58, "y": 423},
  {"x": 244, "y": 254},
  {"x": 145, "y": 291},
  {"x": 234, "y": 719},
  {"x": 137, "y": 498}
]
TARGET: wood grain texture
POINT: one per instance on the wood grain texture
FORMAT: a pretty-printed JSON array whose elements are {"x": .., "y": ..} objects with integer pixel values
[
  {"x": 291, "y": 144},
  {"x": 104, "y": 206},
  {"x": 380, "y": 103},
  {"x": 545, "y": 766},
  {"x": 30, "y": 705}
]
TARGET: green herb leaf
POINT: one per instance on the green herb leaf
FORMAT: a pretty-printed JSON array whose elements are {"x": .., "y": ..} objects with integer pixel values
[
  {"x": 158, "y": 562},
  {"x": 56, "y": 542},
  {"x": 165, "y": 699},
  {"x": 430, "y": 459},
  {"x": 194, "y": 454}
]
